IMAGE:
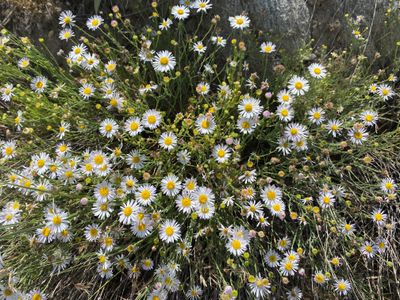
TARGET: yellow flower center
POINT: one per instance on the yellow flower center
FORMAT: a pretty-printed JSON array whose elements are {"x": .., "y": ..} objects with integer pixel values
[
  {"x": 205, "y": 124},
  {"x": 248, "y": 107},
  {"x": 317, "y": 71},
  {"x": 46, "y": 231},
  {"x": 93, "y": 232},
  {"x": 127, "y": 211},
  {"x": 104, "y": 191},
  {"x": 168, "y": 141},
  {"x": 203, "y": 199},
  {"x": 145, "y": 194},
  {"x": 186, "y": 202},
  {"x": 294, "y": 131},
  {"x": 271, "y": 195},
  {"x": 87, "y": 90},
  {"x": 170, "y": 185},
  {"x": 9, "y": 151},
  {"x": 36, "y": 297},
  {"x": 284, "y": 112},
  {"x": 151, "y": 119},
  {"x": 236, "y": 244},
  {"x": 239, "y": 21},
  {"x": 39, "y": 84},
  {"x": 341, "y": 286},
  {"x": 95, "y": 22},
  {"x": 164, "y": 60},
  {"x": 104, "y": 207},
  {"x": 40, "y": 163},
  {"x": 57, "y": 220},
  {"x": 221, "y": 153},
  {"x": 134, "y": 126},
  {"x": 169, "y": 230},
  {"x": 108, "y": 127},
  {"x": 358, "y": 135},
  {"x": 298, "y": 85}
]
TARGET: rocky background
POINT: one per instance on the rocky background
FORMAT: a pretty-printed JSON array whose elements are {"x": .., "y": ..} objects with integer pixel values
[{"x": 294, "y": 22}]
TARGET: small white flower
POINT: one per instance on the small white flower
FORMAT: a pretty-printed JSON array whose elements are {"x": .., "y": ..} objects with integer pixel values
[{"x": 94, "y": 22}]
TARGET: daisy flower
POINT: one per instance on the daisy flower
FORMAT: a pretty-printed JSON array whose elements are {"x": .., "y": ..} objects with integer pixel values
[
  {"x": 326, "y": 199},
  {"x": 7, "y": 92},
  {"x": 388, "y": 185},
  {"x": 254, "y": 209},
  {"x": 108, "y": 128},
  {"x": 165, "y": 24},
  {"x": 110, "y": 66},
  {"x": 151, "y": 119},
  {"x": 239, "y": 22},
  {"x": 57, "y": 221},
  {"x": 23, "y": 63},
  {"x": 163, "y": 61},
  {"x": 347, "y": 229},
  {"x": 334, "y": 127},
  {"x": 199, "y": 47},
  {"x": 284, "y": 97},
  {"x": 9, "y": 216},
  {"x": 317, "y": 70},
  {"x": 221, "y": 153},
  {"x": 316, "y": 115},
  {"x": 104, "y": 192},
  {"x": 368, "y": 249},
  {"x": 194, "y": 293},
  {"x": 319, "y": 278},
  {"x": 342, "y": 286},
  {"x": 369, "y": 118},
  {"x": 285, "y": 112},
  {"x": 250, "y": 107},
  {"x": 102, "y": 209},
  {"x": 202, "y": 5},
  {"x": 45, "y": 234},
  {"x": 8, "y": 149},
  {"x": 185, "y": 203},
  {"x": 358, "y": 135},
  {"x": 203, "y": 88},
  {"x": 167, "y": 141},
  {"x": 205, "y": 124},
  {"x": 385, "y": 91},
  {"x": 64, "y": 128},
  {"x": 190, "y": 185},
  {"x": 40, "y": 163},
  {"x": 237, "y": 246},
  {"x": 66, "y": 34},
  {"x": 94, "y": 22},
  {"x": 246, "y": 125},
  {"x": 128, "y": 184},
  {"x": 142, "y": 228},
  {"x": 92, "y": 232},
  {"x": 295, "y": 132},
  {"x": 38, "y": 84},
  {"x": 298, "y": 85},
  {"x": 135, "y": 159},
  {"x": 183, "y": 157},
  {"x": 170, "y": 231},
  {"x": 36, "y": 295},
  {"x": 204, "y": 196},
  {"x": 284, "y": 243},
  {"x": 267, "y": 47},
  {"x": 219, "y": 41},
  {"x": 90, "y": 61},
  {"x": 294, "y": 294},
  {"x": 259, "y": 286},
  {"x": 272, "y": 258},
  {"x": 271, "y": 193},
  {"x": 87, "y": 90},
  {"x": 79, "y": 50},
  {"x": 379, "y": 217},
  {"x": 133, "y": 126},
  {"x": 128, "y": 212},
  {"x": 180, "y": 12},
  {"x": 171, "y": 185},
  {"x": 145, "y": 194},
  {"x": 288, "y": 267},
  {"x": 277, "y": 208},
  {"x": 66, "y": 18}
]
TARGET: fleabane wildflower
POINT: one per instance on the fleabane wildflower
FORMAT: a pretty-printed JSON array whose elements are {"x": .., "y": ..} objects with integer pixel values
[
  {"x": 171, "y": 185},
  {"x": 342, "y": 286},
  {"x": 180, "y": 12},
  {"x": 221, "y": 153},
  {"x": 199, "y": 47},
  {"x": 165, "y": 24},
  {"x": 87, "y": 90},
  {"x": 108, "y": 128},
  {"x": 385, "y": 91},
  {"x": 128, "y": 212},
  {"x": 298, "y": 85},
  {"x": 7, "y": 92},
  {"x": 239, "y": 22},
  {"x": 8, "y": 149},
  {"x": 202, "y": 5},
  {"x": 39, "y": 84},
  {"x": 250, "y": 107},
  {"x": 163, "y": 61},
  {"x": 259, "y": 286},
  {"x": 369, "y": 117},
  {"x": 151, "y": 119},
  {"x": 267, "y": 47},
  {"x": 94, "y": 22},
  {"x": 66, "y": 19},
  {"x": 317, "y": 70},
  {"x": 205, "y": 124},
  {"x": 170, "y": 231}
]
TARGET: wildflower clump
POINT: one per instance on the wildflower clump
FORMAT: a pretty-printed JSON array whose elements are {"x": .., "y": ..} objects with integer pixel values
[{"x": 157, "y": 162}]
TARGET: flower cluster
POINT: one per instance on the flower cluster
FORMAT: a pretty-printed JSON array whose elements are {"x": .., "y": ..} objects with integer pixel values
[{"x": 184, "y": 174}]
